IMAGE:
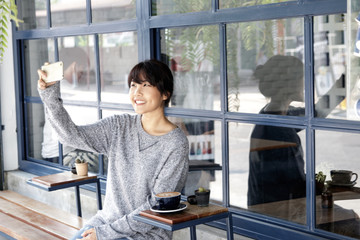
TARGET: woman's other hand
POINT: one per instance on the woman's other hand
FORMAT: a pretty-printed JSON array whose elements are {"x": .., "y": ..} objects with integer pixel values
[{"x": 89, "y": 234}]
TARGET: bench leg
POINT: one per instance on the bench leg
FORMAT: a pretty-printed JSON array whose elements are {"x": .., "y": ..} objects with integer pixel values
[
  {"x": 193, "y": 233},
  {"x": 229, "y": 232},
  {"x": 78, "y": 203}
]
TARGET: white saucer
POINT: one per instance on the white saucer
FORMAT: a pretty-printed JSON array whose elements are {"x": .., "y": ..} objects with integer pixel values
[
  {"x": 341, "y": 184},
  {"x": 180, "y": 208}
]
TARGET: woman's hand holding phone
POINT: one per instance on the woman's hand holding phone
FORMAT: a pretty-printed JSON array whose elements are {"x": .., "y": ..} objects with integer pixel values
[{"x": 50, "y": 74}]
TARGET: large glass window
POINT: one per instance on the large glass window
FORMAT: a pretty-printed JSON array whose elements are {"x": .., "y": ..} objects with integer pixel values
[
  {"x": 77, "y": 54},
  {"x": 161, "y": 7},
  {"x": 118, "y": 54},
  {"x": 247, "y": 3},
  {"x": 242, "y": 95},
  {"x": 337, "y": 204},
  {"x": 193, "y": 55},
  {"x": 267, "y": 170},
  {"x": 265, "y": 66}
]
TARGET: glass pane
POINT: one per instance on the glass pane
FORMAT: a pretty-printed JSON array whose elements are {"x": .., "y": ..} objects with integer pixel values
[
  {"x": 118, "y": 55},
  {"x": 78, "y": 55},
  {"x": 37, "y": 133},
  {"x": 247, "y": 3},
  {"x": 330, "y": 68},
  {"x": 104, "y": 11},
  {"x": 193, "y": 54},
  {"x": 36, "y": 53},
  {"x": 267, "y": 171},
  {"x": 265, "y": 67},
  {"x": 81, "y": 116},
  {"x": 162, "y": 7},
  {"x": 205, "y": 156},
  {"x": 337, "y": 208},
  {"x": 65, "y": 14},
  {"x": 33, "y": 13}
]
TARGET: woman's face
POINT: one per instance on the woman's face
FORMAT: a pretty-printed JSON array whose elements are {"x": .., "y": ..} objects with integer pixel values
[{"x": 146, "y": 98}]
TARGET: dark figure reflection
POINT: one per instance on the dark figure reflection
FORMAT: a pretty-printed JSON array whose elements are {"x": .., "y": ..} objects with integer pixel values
[{"x": 276, "y": 156}]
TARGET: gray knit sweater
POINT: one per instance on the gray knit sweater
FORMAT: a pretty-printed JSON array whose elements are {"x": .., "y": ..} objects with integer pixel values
[{"x": 140, "y": 166}]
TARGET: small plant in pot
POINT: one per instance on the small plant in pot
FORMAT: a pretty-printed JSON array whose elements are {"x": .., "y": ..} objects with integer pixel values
[
  {"x": 202, "y": 197},
  {"x": 81, "y": 167},
  {"x": 320, "y": 178}
]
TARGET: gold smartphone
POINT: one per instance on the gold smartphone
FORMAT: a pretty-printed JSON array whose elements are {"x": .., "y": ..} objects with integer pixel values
[{"x": 54, "y": 71}]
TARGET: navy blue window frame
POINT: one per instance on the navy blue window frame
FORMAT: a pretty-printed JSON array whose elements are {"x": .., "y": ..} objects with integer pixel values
[{"x": 148, "y": 32}]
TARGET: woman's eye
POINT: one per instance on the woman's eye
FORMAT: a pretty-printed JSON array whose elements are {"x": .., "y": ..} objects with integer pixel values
[{"x": 147, "y": 85}]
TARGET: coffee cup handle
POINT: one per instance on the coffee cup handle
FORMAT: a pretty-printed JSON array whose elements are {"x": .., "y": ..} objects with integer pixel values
[{"x": 356, "y": 177}]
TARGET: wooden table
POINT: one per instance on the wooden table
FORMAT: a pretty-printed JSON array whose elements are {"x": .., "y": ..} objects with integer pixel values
[
  {"x": 65, "y": 180},
  {"x": 190, "y": 217}
]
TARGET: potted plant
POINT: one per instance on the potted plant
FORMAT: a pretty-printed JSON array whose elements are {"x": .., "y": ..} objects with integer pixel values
[
  {"x": 319, "y": 182},
  {"x": 202, "y": 197},
  {"x": 81, "y": 167}
]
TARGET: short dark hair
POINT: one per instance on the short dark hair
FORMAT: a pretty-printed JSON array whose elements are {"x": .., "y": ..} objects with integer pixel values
[{"x": 157, "y": 74}]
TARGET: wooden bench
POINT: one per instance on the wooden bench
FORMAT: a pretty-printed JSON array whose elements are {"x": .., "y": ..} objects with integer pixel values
[{"x": 24, "y": 218}]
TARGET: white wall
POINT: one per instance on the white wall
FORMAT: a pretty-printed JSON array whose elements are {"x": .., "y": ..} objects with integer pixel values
[{"x": 8, "y": 109}]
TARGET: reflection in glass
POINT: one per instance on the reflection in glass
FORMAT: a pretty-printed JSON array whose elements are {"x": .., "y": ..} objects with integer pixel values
[
  {"x": 338, "y": 151},
  {"x": 330, "y": 67},
  {"x": 33, "y": 13},
  {"x": 247, "y": 3},
  {"x": 193, "y": 55},
  {"x": 267, "y": 171},
  {"x": 112, "y": 10},
  {"x": 36, "y": 53},
  {"x": 162, "y": 7},
  {"x": 79, "y": 82},
  {"x": 118, "y": 55},
  {"x": 65, "y": 14},
  {"x": 249, "y": 47},
  {"x": 205, "y": 156}
]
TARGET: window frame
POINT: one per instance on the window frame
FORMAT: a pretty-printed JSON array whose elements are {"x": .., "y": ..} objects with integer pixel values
[{"x": 147, "y": 28}]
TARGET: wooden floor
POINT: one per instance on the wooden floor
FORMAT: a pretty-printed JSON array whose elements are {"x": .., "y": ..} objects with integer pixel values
[{"x": 25, "y": 219}]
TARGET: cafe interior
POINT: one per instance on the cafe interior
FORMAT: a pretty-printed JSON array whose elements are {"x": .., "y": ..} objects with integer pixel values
[{"x": 266, "y": 91}]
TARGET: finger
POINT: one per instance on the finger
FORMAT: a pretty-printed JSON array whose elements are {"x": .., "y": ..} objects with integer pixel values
[{"x": 41, "y": 74}]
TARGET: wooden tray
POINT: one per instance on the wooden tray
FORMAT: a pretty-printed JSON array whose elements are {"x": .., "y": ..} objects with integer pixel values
[{"x": 190, "y": 213}]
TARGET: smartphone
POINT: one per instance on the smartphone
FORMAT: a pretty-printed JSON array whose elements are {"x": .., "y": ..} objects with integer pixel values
[{"x": 54, "y": 71}]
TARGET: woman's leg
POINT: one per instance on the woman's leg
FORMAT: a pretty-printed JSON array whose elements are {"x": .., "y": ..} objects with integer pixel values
[{"x": 78, "y": 234}]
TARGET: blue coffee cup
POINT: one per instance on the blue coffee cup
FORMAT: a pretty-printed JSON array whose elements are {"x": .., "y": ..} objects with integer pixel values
[{"x": 168, "y": 200}]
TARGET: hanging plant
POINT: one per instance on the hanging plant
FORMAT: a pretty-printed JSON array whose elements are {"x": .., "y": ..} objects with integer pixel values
[{"x": 8, "y": 10}]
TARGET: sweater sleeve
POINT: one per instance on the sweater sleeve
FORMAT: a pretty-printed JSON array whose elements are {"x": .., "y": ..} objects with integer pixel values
[
  {"x": 172, "y": 177},
  {"x": 92, "y": 137}
]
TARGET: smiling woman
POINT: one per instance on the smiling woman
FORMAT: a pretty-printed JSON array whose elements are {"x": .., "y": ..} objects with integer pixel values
[{"x": 127, "y": 140}]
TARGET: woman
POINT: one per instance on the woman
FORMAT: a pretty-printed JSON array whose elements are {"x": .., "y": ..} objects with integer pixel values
[{"x": 147, "y": 153}]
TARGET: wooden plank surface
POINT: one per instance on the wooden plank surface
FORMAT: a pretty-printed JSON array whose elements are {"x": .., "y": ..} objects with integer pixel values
[
  {"x": 42, "y": 208},
  {"x": 36, "y": 220},
  {"x": 22, "y": 231},
  {"x": 61, "y": 178},
  {"x": 190, "y": 213}
]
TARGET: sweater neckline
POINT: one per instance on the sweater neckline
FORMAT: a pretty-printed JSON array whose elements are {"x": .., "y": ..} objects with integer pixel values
[{"x": 147, "y": 140}]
